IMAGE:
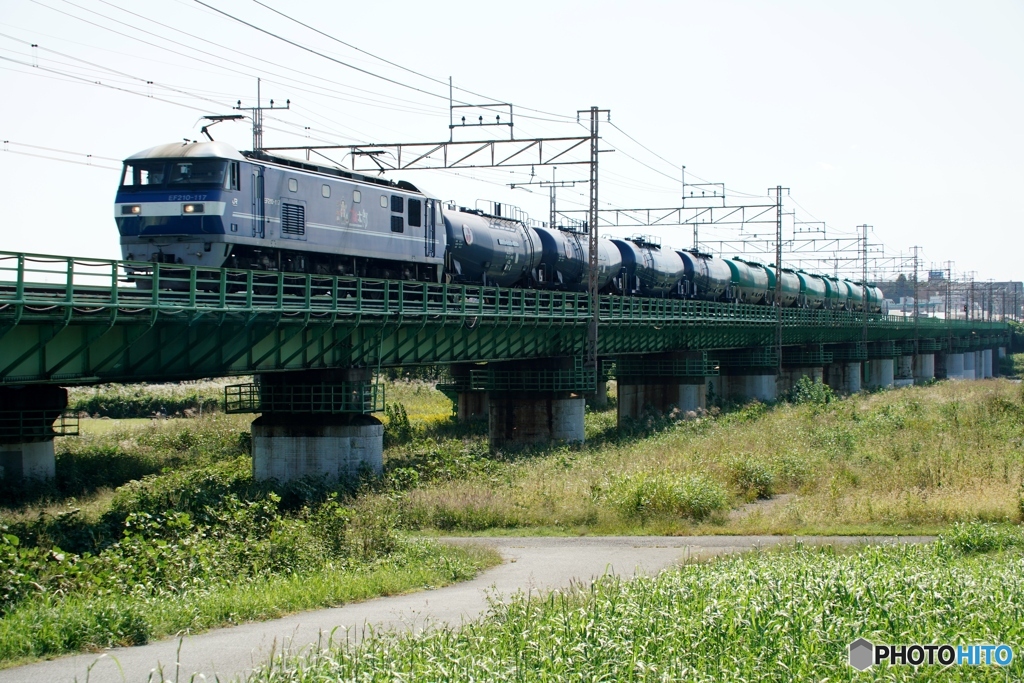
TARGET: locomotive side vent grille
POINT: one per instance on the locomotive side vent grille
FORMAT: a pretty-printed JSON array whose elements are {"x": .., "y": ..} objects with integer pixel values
[{"x": 293, "y": 219}]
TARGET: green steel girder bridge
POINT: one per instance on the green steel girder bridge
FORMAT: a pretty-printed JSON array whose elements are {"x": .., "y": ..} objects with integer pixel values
[{"x": 68, "y": 321}]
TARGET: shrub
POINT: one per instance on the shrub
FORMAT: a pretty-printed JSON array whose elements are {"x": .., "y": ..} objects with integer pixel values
[
  {"x": 397, "y": 428},
  {"x": 753, "y": 478},
  {"x": 981, "y": 537},
  {"x": 809, "y": 391},
  {"x": 645, "y": 495}
]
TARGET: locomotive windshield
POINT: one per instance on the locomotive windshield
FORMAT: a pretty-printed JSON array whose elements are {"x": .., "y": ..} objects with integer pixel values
[{"x": 191, "y": 173}]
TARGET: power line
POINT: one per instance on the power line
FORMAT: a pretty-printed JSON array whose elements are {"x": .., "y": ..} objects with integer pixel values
[
  {"x": 319, "y": 54},
  {"x": 399, "y": 66},
  {"x": 432, "y": 110}
]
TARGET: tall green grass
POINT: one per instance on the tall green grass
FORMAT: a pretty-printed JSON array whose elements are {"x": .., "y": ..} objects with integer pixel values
[
  {"x": 902, "y": 461},
  {"x": 188, "y": 539},
  {"x": 778, "y": 616}
]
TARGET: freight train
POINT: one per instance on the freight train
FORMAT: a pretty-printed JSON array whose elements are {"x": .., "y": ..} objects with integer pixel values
[{"x": 207, "y": 204}]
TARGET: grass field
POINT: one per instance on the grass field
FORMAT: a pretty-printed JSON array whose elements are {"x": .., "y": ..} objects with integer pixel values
[
  {"x": 155, "y": 526},
  {"x": 908, "y": 461},
  {"x": 776, "y": 616}
]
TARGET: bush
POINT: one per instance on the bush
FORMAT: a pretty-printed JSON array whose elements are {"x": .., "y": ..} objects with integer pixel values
[
  {"x": 981, "y": 537},
  {"x": 397, "y": 428},
  {"x": 753, "y": 478},
  {"x": 646, "y": 495},
  {"x": 811, "y": 392}
]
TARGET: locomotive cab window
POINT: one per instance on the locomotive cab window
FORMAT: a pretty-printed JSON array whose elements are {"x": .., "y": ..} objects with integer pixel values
[
  {"x": 415, "y": 213},
  {"x": 293, "y": 185},
  {"x": 233, "y": 181},
  {"x": 143, "y": 174},
  {"x": 325, "y": 190},
  {"x": 397, "y": 204},
  {"x": 208, "y": 173}
]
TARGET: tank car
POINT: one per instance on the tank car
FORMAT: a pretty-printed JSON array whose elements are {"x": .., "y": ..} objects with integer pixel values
[
  {"x": 750, "y": 281},
  {"x": 647, "y": 269},
  {"x": 489, "y": 249},
  {"x": 205, "y": 203},
  {"x": 565, "y": 257},
  {"x": 790, "y": 290},
  {"x": 836, "y": 294},
  {"x": 813, "y": 291},
  {"x": 704, "y": 276},
  {"x": 876, "y": 300},
  {"x": 855, "y": 296}
]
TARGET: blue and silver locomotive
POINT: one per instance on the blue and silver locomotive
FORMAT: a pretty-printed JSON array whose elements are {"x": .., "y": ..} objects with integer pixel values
[{"x": 205, "y": 203}]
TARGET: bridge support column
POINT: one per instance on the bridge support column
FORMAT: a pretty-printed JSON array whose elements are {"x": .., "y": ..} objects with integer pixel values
[
  {"x": 27, "y": 416},
  {"x": 762, "y": 387},
  {"x": 880, "y": 373},
  {"x": 313, "y": 423},
  {"x": 471, "y": 405},
  {"x": 987, "y": 365},
  {"x": 970, "y": 359},
  {"x": 843, "y": 378},
  {"x": 904, "y": 373},
  {"x": 661, "y": 383},
  {"x": 954, "y": 366},
  {"x": 535, "y": 401},
  {"x": 470, "y": 402},
  {"x": 924, "y": 368}
]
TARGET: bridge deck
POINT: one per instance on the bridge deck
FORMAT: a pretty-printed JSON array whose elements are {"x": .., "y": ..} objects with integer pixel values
[{"x": 68, "y": 320}]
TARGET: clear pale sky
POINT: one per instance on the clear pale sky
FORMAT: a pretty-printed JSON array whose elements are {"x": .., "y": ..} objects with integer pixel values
[{"x": 902, "y": 115}]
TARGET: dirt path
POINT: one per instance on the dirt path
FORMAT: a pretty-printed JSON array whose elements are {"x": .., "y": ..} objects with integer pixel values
[{"x": 532, "y": 564}]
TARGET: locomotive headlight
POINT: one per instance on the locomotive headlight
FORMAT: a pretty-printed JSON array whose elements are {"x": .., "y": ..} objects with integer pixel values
[
  {"x": 193, "y": 208},
  {"x": 131, "y": 210}
]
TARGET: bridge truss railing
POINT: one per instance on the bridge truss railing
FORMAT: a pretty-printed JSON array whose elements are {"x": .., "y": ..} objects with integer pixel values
[{"x": 68, "y": 287}]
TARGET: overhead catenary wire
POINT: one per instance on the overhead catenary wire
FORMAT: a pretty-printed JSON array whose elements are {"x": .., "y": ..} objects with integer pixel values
[{"x": 566, "y": 118}]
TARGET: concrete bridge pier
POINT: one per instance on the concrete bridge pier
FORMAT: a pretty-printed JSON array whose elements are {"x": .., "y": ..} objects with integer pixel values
[
  {"x": 470, "y": 403},
  {"x": 760, "y": 384},
  {"x": 970, "y": 360},
  {"x": 924, "y": 368},
  {"x": 880, "y": 373},
  {"x": 952, "y": 365},
  {"x": 662, "y": 383},
  {"x": 535, "y": 401},
  {"x": 904, "y": 373},
  {"x": 314, "y": 423},
  {"x": 844, "y": 377},
  {"x": 27, "y": 416},
  {"x": 987, "y": 365}
]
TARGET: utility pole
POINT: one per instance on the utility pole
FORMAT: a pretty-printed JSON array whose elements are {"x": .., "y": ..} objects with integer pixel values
[
  {"x": 916, "y": 307},
  {"x": 257, "y": 117},
  {"x": 778, "y": 270},
  {"x": 591, "y": 359},
  {"x": 949, "y": 279},
  {"x": 864, "y": 276}
]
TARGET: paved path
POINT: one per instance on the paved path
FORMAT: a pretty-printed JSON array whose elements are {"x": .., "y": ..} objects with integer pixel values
[{"x": 535, "y": 564}]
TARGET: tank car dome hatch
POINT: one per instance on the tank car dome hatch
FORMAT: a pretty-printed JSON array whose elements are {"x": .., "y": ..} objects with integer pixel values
[{"x": 186, "y": 150}]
